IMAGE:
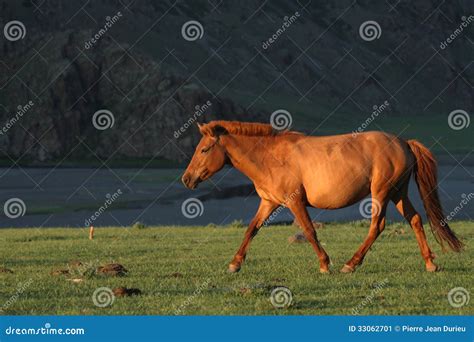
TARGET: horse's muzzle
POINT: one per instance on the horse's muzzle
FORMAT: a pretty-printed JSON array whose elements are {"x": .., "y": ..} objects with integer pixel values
[{"x": 188, "y": 181}]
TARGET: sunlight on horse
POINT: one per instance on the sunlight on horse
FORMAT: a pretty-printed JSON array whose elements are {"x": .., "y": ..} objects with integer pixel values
[{"x": 328, "y": 172}]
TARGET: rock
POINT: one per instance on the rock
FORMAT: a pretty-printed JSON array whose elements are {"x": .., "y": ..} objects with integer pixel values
[
  {"x": 151, "y": 97},
  {"x": 161, "y": 105}
]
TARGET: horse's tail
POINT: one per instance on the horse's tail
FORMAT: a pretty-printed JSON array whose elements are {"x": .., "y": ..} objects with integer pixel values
[{"x": 425, "y": 172}]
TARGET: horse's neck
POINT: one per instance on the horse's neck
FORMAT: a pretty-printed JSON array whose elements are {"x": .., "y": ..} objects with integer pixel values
[{"x": 246, "y": 155}]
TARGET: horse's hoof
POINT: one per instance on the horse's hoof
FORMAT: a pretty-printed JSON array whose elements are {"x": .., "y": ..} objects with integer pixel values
[
  {"x": 347, "y": 269},
  {"x": 432, "y": 268},
  {"x": 324, "y": 270},
  {"x": 233, "y": 268}
]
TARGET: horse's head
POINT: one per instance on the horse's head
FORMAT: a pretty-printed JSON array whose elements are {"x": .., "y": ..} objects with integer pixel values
[{"x": 209, "y": 157}]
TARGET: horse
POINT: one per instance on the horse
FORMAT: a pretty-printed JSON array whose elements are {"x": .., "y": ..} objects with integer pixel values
[{"x": 295, "y": 170}]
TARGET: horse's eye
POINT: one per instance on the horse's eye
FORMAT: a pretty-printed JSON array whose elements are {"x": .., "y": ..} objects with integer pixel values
[{"x": 205, "y": 149}]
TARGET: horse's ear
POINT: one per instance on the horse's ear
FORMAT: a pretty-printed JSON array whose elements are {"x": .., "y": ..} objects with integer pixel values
[
  {"x": 202, "y": 128},
  {"x": 212, "y": 130},
  {"x": 219, "y": 130}
]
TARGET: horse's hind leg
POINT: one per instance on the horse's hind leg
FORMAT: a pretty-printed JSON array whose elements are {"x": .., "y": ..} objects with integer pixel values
[
  {"x": 407, "y": 210},
  {"x": 298, "y": 209},
  {"x": 377, "y": 225}
]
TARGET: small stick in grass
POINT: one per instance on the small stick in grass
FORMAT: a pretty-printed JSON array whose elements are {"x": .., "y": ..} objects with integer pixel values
[{"x": 91, "y": 233}]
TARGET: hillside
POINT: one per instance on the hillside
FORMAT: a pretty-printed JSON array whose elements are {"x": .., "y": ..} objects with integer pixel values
[{"x": 252, "y": 59}]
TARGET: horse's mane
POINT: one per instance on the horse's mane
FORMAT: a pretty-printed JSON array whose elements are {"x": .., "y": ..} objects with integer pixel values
[{"x": 242, "y": 128}]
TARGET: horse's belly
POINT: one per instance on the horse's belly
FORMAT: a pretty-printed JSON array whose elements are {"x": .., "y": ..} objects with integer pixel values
[{"x": 334, "y": 196}]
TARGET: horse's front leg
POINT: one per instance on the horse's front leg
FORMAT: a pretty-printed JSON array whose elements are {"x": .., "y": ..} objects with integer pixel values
[
  {"x": 298, "y": 208},
  {"x": 264, "y": 210}
]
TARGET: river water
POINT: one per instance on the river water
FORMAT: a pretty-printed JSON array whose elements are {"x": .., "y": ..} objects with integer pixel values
[{"x": 67, "y": 197}]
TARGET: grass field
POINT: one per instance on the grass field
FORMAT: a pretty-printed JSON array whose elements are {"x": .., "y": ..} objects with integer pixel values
[{"x": 183, "y": 270}]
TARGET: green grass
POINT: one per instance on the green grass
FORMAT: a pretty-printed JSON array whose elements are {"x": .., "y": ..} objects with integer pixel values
[{"x": 185, "y": 267}]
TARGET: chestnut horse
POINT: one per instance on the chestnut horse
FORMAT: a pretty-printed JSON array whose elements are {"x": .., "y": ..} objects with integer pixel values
[{"x": 294, "y": 170}]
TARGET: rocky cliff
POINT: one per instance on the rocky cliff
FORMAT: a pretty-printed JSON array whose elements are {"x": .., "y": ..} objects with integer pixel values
[{"x": 307, "y": 57}]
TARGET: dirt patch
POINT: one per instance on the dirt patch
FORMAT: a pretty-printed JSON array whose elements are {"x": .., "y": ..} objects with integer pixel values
[
  {"x": 75, "y": 263},
  {"x": 5, "y": 270},
  {"x": 112, "y": 270},
  {"x": 297, "y": 238},
  {"x": 59, "y": 272},
  {"x": 176, "y": 275},
  {"x": 126, "y": 292}
]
